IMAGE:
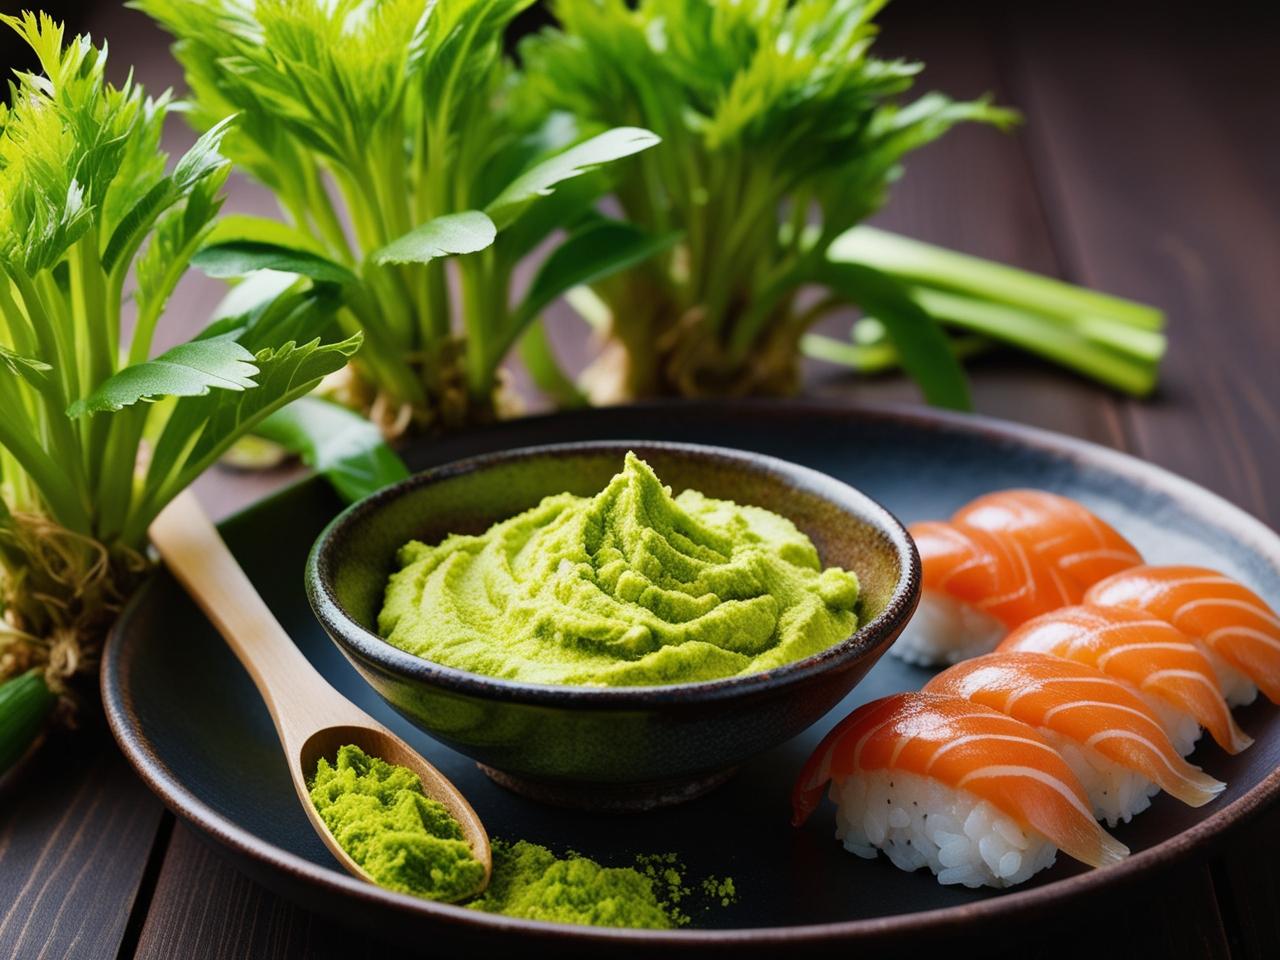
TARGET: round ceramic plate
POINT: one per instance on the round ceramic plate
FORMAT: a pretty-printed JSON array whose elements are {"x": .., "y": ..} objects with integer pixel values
[{"x": 187, "y": 716}]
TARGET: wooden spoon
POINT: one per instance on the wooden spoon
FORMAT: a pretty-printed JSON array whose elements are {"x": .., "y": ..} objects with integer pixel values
[{"x": 311, "y": 717}]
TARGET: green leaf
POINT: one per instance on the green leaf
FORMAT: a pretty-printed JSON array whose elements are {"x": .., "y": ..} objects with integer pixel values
[
  {"x": 188, "y": 370},
  {"x": 28, "y": 368},
  {"x": 593, "y": 252},
  {"x": 238, "y": 258},
  {"x": 175, "y": 236},
  {"x": 284, "y": 374},
  {"x": 256, "y": 290},
  {"x": 203, "y": 157},
  {"x": 563, "y": 210},
  {"x": 241, "y": 226},
  {"x": 922, "y": 346},
  {"x": 541, "y": 179},
  {"x": 340, "y": 444},
  {"x": 454, "y": 233},
  {"x": 201, "y": 428},
  {"x": 201, "y": 161},
  {"x": 25, "y": 702}
]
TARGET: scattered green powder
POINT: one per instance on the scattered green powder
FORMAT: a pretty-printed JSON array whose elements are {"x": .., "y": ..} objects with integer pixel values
[
  {"x": 531, "y": 882},
  {"x": 723, "y": 890},
  {"x": 630, "y": 587},
  {"x": 403, "y": 839},
  {"x": 665, "y": 872}
]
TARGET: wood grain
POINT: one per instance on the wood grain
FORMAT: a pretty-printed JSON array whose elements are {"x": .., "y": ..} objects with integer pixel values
[
  {"x": 974, "y": 191},
  {"x": 204, "y": 909},
  {"x": 1151, "y": 172},
  {"x": 75, "y": 836}
]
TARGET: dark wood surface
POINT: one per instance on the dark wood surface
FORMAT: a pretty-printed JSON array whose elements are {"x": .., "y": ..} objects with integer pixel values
[{"x": 1149, "y": 166}]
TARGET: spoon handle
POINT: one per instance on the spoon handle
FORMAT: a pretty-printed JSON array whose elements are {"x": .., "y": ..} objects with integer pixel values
[{"x": 300, "y": 700}]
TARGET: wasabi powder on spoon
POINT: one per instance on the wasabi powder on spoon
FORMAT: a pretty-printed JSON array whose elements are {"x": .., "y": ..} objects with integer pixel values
[
  {"x": 631, "y": 587},
  {"x": 400, "y": 837}
]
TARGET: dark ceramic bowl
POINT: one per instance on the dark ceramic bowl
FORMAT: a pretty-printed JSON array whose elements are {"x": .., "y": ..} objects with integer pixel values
[{"x": 616, "y": 747}]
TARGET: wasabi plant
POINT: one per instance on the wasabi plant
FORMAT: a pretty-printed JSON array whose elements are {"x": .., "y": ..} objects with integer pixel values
[
  {"x": 386, "y": 130},
  {"x": 99, "y": 431},
  {"x": 781, "y": 133}
]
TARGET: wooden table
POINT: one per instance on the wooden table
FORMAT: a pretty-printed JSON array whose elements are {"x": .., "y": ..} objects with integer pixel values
[{"x": 1149, "y": 167}]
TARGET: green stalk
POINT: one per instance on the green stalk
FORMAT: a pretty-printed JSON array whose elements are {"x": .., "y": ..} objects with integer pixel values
[
  {"x": 50, "y": 476},
  {"x": 324, "y": 217},
  {"x": 62, "y": 434},
  {"x": 1044, "y": 336},
  {"x": 381, "y": 351},
  {"x": 478, "y": 308},
  {"x": 115, "y": 487},
  {"x": 92, "y": 302},
  {"x": 926, "y": 265}
]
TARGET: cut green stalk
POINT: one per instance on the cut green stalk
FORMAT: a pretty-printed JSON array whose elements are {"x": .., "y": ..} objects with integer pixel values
[
  {"x": 927, "y": 265},
  {"x": 1063, "y": 343},
  {"x": 406, "y": 108},
  {"x": 86, "y": 202}
]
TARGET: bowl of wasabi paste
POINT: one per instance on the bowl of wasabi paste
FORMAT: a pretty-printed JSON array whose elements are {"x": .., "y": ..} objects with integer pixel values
[{"x": 614, "y": 625}]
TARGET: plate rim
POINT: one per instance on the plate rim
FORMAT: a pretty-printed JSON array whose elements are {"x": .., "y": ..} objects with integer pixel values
[{"x": 118, "y": 706}]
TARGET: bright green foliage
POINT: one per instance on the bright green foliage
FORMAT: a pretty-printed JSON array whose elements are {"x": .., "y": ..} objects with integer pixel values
[
  {"x": 337, "y": 443},
  {"x": 386, "y": 131},
  {"x": 781, "y": 134},
  {"x": 97, "y": 434},
  {"x": 774, "y": 115}
]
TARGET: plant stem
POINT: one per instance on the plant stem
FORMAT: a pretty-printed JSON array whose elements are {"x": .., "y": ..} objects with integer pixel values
[
  {"x": 1045, "y": 336},
  {"x": 926, "y": 265}
]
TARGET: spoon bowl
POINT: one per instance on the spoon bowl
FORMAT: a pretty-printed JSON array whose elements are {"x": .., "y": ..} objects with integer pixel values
[
  {"x": 312, "y": 719},
  {"x": 377, "y": 741}
]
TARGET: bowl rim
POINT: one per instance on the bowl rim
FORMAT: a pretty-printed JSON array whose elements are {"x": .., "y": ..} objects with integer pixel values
[{"x": 358, "y": 641}]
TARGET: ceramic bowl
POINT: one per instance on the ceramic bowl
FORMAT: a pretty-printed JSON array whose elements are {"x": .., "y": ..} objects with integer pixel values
[{"x": 609, "y": 747}]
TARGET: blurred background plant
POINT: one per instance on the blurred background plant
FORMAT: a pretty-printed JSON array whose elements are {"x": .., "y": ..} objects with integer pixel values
[
  {"x": 781, "y": 134},
  {"x": 97, "y": 433},
  {"x": 387, "y": 133}
]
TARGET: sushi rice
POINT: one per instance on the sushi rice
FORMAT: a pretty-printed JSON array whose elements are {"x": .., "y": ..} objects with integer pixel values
[
  {"x": 945, "y": 630},
  {"x": 919, "y": 822},
  {"x": 1116, "y": 792},
  {"x": 1237, "y": 689}
]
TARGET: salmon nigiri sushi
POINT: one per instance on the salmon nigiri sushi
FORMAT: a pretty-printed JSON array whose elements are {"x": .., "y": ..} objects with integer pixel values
[
  {"x": 1079, "y": 546},
  {"x": 1107, "y": 734},
  {"x": 1240, "y": 633},
  {"x": 1166, "y": 665},
  {"x": 975, "y": 587},
  {"x": 979, "y": 798}
]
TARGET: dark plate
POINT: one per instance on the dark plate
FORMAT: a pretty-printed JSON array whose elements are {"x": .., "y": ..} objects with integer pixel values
[{"x": 188, "y": 718}]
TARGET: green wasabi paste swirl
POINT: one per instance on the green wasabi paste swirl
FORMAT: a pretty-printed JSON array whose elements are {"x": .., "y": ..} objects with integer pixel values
[{"x": 630, "y": 587}]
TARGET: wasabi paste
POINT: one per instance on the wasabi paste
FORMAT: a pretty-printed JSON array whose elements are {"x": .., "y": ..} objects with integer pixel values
[
  {"x": 402, "y": 838},
  {"x": 630, "y": 587}
]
